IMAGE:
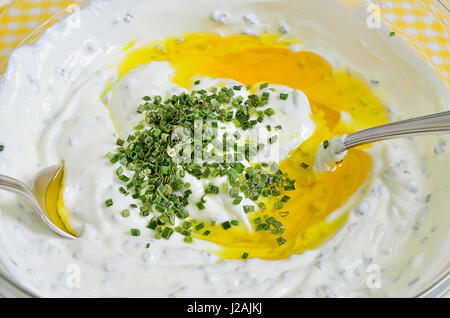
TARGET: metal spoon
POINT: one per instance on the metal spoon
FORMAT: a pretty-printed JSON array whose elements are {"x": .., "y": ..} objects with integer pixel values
[
  {"x": 36, "y": 194},
  {"x": 424, "y": 125},
  {"x": 335, "y": 150}
]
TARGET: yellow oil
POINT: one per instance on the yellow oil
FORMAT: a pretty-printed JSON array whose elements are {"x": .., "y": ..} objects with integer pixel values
[{"x": 54, "y": 203}]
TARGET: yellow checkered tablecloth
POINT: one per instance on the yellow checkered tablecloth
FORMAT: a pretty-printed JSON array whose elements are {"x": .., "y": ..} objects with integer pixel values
[{"x": 421, "y": 23}]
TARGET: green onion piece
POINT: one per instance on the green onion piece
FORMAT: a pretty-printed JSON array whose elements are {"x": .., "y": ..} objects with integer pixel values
[
  {"x": 199, "y": 226},
  {"x": 272, "y": 140},
  {"x": 278, "y": 205},
  {"x": 135, "y": 232},
  {"x": 200, "y": 205},
  {"x": 226, "y": 225},
  {"x": 245, "y": 255},
  {"x": 284, "y": 96},
  {"x": 269, "y": 111},
  {"x": 237, "y": 200},
  {"x": 109, "y": 202},
  {"x": 167, "y": 233},
  {"x": 326, "y": 143},
  {"x": 125, "y": 213},
  {"x": 281, "y": 241},
  {"x": 164, "y": 170}
]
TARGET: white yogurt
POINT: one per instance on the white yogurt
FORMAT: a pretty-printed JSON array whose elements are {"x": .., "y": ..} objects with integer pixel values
[{"x": 333, "y": 152}]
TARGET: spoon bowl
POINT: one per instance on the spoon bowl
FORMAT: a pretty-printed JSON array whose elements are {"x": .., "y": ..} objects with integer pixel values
[{"x": 36, "y": 194}]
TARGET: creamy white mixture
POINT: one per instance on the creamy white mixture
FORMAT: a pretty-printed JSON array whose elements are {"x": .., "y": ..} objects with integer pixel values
[
  {"x": 327, "y": 155},
  {"x": 51, "y": 109}
]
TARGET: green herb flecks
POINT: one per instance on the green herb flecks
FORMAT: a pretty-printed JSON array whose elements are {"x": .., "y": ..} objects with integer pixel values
[{"x": 163, "y": 148}]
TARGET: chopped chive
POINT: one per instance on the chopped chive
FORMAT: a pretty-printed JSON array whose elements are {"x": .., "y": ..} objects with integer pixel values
[
  {"x": 289, "y": 187},
  {"x": 197, "y": 82},
  {"x": 226, "y": 225},
  {"x": 199, "y": 226},
  {"x": 284, "y": 96},
  {"x": 392, "y": 33},
  {"x": 164, "y": 170},
  {"x": 304, "y": 165},
  {"x": 109, "y": 202},
  {"x": 135, "y": 232},
  {"x": 167, "y": 233},
  {"x": 278, "y": 205},
  {"x": 248, "y": 208},
  {"x": 200, "y": 205},
  {"x": 245, "y": 255},
  {"x": 281, "y": 241},
  {"x": 152, "y": 176},
  {"x": 269, "y": 111},
  {"x": 326, "y": 143},
  {"x": 237, "y": 200},
  {"x": 272, "y": 140}
]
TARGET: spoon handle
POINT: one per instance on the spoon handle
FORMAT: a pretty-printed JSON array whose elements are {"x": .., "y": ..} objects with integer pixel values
[
  {"x": 429, "y": 124},
  {"x": 18, "y": 187}
]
